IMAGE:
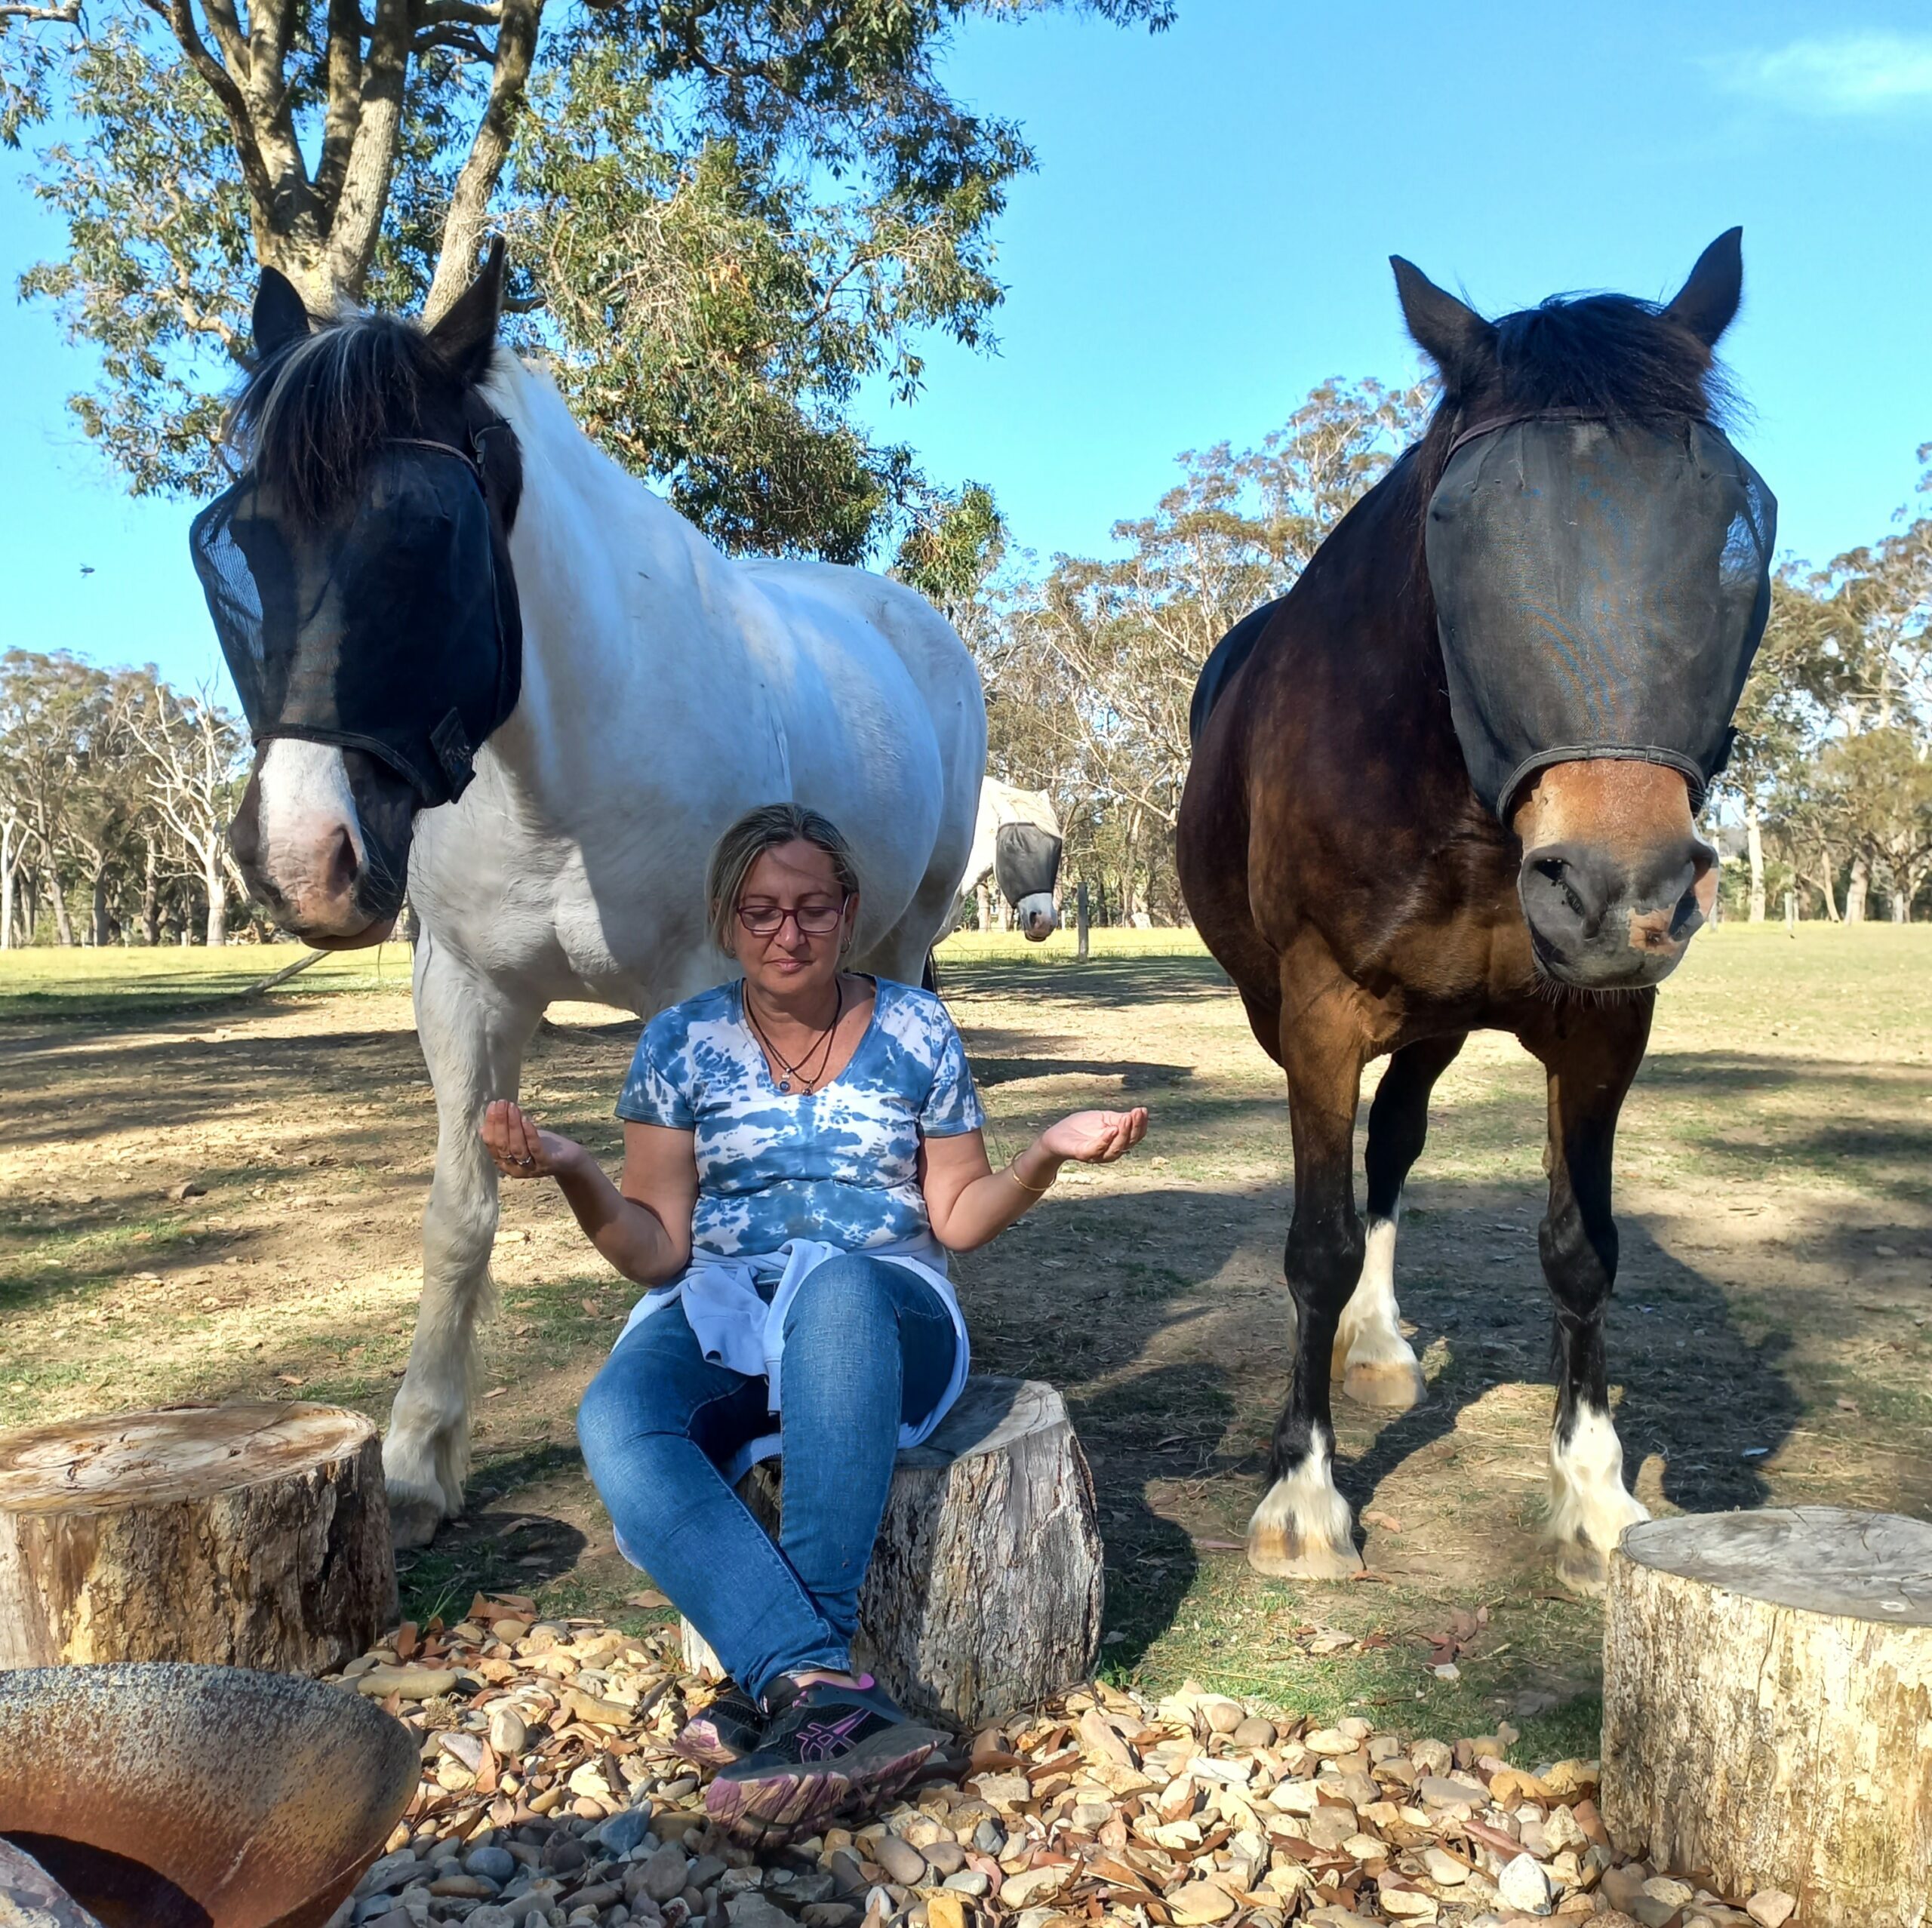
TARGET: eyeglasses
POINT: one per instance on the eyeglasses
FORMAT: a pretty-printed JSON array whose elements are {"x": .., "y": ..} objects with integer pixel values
[{"x": 813, "y": 919}]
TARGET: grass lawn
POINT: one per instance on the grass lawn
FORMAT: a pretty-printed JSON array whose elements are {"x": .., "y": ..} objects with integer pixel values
[{"x": 206, "y": 1195}]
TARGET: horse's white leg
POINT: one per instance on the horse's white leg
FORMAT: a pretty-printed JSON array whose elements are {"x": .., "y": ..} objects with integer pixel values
[
  {"x": 473, "y": 1037},
  {"x": 1302, "y": 1529},
  {"x": 1375, "y": 1364},
  {"x": 1590, "y": 1505},
  {"x": 1589, "y": 1063}
]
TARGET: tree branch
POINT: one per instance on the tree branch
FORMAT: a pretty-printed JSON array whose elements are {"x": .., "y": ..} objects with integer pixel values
[
  {"x": 466, "y": 12},
  {"x": 67, "y": 15},
  {"x": 228, "y": 37},
  {"x": 469, "y": 201},
  {"x": 464, "y": 40},
  {"x": 179, "y": 17},
  {"x": 343, "y": 113},
  {"x": 357, "y": 220}
]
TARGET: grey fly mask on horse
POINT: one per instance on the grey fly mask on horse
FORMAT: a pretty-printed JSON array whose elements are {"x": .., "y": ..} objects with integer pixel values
[{"x": 1600, "y": 592}]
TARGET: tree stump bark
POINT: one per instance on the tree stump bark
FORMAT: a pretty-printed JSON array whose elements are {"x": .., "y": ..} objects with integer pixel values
[
  {"x": 1767, "y": 1708},
  {"x": 251, "y": 1535},
  {"x": 985, "y": 1592}
]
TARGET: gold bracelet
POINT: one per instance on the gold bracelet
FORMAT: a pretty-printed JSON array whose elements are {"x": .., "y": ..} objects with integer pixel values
[{"x": 1038, "y": 1191}]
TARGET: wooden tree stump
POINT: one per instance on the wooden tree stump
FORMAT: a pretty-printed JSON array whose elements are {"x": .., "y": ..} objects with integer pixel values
[
  {"x": 254, "y": 1535},
  {"x": 1767, "y": 1708},
  {"x": 984, "y": 1591}
]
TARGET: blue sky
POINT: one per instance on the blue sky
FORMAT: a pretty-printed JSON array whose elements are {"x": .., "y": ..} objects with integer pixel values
[{"x": 1208, "y": 239}]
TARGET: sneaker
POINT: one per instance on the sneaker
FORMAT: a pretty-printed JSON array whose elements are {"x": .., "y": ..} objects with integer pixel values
[
  {"x": 827, "y": 1749},
  {"x": 726, "y": 1730}
]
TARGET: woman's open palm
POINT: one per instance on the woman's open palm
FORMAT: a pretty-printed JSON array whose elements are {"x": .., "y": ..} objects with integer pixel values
[
  {"x": 520, "y": 1148},
  {"x": 1095, "y": 1138}
]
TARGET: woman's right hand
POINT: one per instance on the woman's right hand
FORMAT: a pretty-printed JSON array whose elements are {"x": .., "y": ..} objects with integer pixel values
[{"x": 521, "y": 1150}]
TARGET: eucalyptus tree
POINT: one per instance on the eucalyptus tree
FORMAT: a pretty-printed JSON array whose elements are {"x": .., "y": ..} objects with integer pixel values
[{"x": 728, "y": 214}]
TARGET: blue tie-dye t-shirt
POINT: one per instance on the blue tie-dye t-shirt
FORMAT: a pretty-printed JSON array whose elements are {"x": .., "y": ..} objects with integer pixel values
[{"x": 840, "y": 1164}]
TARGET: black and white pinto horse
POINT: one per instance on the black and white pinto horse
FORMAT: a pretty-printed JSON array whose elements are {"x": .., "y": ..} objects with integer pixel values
[{"x": 479, "y": 657}]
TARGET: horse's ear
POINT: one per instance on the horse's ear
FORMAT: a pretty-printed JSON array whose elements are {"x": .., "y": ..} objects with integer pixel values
[
  {"x": 280, "y": 317},
  {"x": 466, "y": 336},
  {"x": 1450, "y": 332},
  {"x": 1707, "y": 303}
]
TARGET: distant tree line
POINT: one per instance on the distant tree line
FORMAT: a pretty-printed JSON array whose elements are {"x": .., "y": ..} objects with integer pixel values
[
  {"x": 1090, "y": 664},
  {"x": 115, "y": 792},
  {"x": 116, "y": 789}
]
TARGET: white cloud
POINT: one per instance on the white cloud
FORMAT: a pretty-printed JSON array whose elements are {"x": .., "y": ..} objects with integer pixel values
[{"x": 1852, "y": 73}]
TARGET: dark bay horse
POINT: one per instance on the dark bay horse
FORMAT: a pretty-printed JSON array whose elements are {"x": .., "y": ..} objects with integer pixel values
[{"x": 1450, "y": 781}]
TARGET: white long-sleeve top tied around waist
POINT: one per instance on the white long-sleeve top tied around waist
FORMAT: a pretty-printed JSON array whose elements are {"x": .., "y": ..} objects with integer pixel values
[{"x": 787, "y": 1180}]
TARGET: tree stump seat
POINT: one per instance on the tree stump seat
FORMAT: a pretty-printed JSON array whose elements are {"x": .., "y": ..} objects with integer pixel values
[
  {"x": 252, "y": 1535},
  {"x": 984, "y": 1591},
  {"x": 1767, "y": 1708}
]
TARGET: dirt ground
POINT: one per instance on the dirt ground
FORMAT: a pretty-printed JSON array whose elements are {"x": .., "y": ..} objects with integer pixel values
[{"x": 202, "y": 1196}]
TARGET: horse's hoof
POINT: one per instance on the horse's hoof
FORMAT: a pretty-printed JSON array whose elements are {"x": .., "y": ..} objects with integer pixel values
[
  {"x": 1582, "y": 1568},
  {"x": 1394, "y": 1387},
  {"x": 412, "y": 1522},
  {"x": 1302, "y": 1529},
  {"x": 1287, "y": 1555}
]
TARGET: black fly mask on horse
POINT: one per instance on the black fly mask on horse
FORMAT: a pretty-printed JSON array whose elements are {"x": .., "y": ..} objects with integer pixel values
[
  {"x": 1600, "y": 592},
  {"x": 1026, "y": 861},
  {"x": 393, "y": 628}
]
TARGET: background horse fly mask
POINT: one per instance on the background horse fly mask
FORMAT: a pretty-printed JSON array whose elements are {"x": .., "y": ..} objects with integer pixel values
[
  {"x": 392, "y": 627},
  {"x": 1600, "y": 592}
]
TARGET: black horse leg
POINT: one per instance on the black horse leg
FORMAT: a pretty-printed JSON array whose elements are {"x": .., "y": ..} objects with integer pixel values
[
  {"x": 1590, "y": 1056},
  {"x": 1302, "y": 1528},
  {"x": 1375, "y": 1364}
]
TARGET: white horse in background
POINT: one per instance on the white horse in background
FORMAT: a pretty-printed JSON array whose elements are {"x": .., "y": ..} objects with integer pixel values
[
  {"x": 666, "y": 689},
  {"x": 1023, "y": 862}
]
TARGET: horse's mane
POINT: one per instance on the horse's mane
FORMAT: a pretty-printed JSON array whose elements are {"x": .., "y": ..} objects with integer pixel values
[
  {"x": 312, "y": 413},
  {"x": 1610, "y": 355}
]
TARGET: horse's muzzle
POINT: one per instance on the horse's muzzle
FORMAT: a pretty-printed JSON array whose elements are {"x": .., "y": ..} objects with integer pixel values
[
  {"x": 333, "y": 874},
  {"x": 1599, "y": 922}
]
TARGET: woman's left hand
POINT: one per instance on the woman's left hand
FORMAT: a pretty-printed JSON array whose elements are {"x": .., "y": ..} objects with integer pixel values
[{"x": 1095, "y": 1138}]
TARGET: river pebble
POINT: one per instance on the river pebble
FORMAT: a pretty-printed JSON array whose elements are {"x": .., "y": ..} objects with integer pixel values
[{"x": 570, "y": 1806}]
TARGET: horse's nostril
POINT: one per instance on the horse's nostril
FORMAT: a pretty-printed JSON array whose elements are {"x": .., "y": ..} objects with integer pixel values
[
  {"x": 343, "y": 864},
  {"x": 1554, "y": 870}
]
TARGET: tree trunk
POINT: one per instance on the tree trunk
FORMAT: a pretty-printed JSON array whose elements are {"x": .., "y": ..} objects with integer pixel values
[
  {"x": 1754, "y": 846},
  {"x": 1828, "y": 886},
  {"x": 216, "y": 885},
  {"x": 151, "y": 897},
  {"x": 1857, "y": 890},
  {"x": 984, "y": 1593},
  {"x": 63, "y": 927},
  {"x": 253, "y": 1535},
  {"x": 1767, "y": 1708},
  {"x": 103, "y": 934},
  {"x": 984, "y": 897},
  {"x": 9, "y": 864}
]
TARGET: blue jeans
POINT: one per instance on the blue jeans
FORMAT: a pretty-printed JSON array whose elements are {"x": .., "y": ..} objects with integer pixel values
[{"x": 869, "y": 1346}]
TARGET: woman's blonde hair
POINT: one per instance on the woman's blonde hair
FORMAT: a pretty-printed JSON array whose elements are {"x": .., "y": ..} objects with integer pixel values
[{"x": 758, "y": 831}]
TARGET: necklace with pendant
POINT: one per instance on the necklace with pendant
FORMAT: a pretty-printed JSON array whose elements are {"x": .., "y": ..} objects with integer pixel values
[{"x": 822, "y": 1050}]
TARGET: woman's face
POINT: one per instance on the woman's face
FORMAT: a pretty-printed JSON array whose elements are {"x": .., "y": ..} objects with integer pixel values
[{"x": 790, "y": 881}]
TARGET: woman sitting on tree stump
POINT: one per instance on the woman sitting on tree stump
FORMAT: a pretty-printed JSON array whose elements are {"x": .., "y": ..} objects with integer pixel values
[{"x": 801, "y": 1148}]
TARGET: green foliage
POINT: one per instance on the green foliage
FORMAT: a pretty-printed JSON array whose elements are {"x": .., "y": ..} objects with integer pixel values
[
  {"x": 715, "y": 316},
  {"x": 955, "y": 543},
  {"x": 727, "y": 215}
]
